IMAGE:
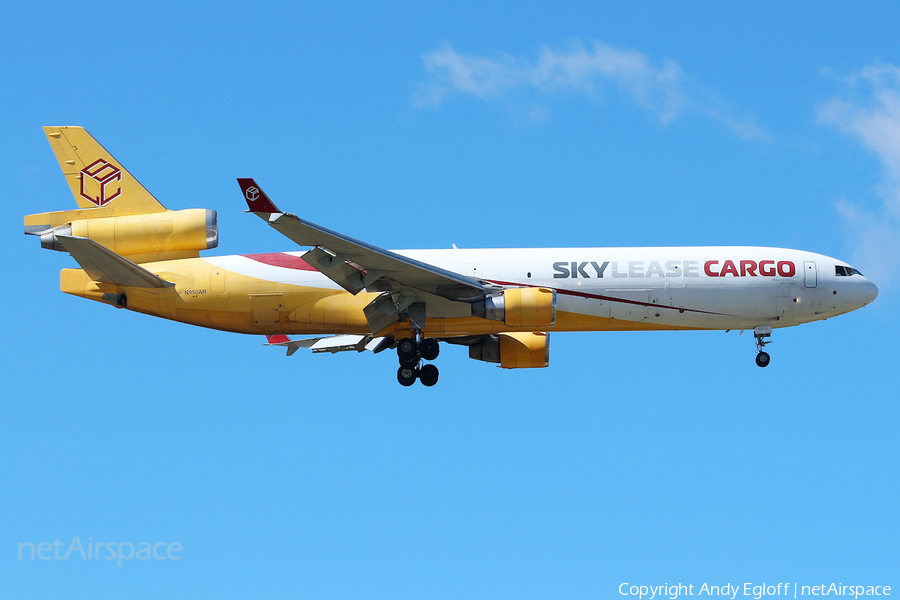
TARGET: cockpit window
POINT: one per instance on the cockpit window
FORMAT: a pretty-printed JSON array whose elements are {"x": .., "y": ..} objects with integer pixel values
[{"x": 843, "y": 271}]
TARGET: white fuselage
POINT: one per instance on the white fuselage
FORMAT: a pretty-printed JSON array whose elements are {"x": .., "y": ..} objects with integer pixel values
[{"x": 652, "y": 288}]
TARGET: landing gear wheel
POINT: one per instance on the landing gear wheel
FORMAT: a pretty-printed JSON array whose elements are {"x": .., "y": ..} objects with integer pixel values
[
  {"x": 409, "y": 362},
  {"x": 430, "y": 348},
  {"x": 406, "y": 349},
  {"x": 762, "y": 359},
  {"x": 407, "y": 376},
  {"x": 429, "y": 375}
]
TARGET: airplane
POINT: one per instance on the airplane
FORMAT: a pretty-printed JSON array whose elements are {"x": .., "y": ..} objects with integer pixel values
[{"x": 502, "y": 304}]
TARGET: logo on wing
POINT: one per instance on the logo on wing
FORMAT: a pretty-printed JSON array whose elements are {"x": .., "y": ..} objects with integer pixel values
[
  {"x": 101, "y": 182},
  {"x": 252, "y": 193}
]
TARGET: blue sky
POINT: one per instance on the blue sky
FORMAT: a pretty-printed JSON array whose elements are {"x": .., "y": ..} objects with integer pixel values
[{"x": 646, "y": 458}]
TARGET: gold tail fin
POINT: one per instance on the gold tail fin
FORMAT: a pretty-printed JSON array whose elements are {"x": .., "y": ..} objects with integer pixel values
[
  {"x": 114, "y": 210},
  {"x": 96, "y": 178}
]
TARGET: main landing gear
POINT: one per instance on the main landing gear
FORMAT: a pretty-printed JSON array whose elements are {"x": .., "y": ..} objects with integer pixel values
[
  {"x": 762, "y": 357},
  {"x": 412, "y": 352}
]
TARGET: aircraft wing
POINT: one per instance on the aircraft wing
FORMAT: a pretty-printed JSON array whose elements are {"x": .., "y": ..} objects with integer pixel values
[
  {"x": 105, "y": 266},
  {"x": 356, "y": 265},
  {"x": 332, "y": 344}
]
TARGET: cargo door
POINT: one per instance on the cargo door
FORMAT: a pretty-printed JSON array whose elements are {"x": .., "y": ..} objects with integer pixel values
[
  {"x": 783, "y": 307},
  {"x": 266, "y": 311},
  {"x": 633, "y": 305}
]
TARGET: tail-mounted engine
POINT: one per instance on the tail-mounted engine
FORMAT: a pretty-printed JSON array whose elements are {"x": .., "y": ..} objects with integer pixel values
[
  {"x": 519, "y": 307},
  {"x": 142, "y": 238},
  {"x": 513, "y": 350}
]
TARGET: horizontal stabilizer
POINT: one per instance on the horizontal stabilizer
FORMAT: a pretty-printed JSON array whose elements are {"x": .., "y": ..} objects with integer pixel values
[
  {"x": 332, "y": 344},
  {"x": 105, "y": 266}
]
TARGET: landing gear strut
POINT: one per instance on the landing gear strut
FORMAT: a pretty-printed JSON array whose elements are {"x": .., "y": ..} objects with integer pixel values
[
  {"x": 411, "y": 353},
  {"x": 762, "y": 357}
]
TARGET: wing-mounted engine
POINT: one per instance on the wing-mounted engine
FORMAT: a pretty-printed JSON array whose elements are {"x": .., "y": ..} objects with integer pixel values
[
  {"x": 141, "y": 238},
  {"x": 513, "y": 350},
  {"x": 519, "y": 307}
]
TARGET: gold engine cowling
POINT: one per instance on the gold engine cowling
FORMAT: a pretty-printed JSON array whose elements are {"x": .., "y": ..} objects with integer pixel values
[
  {"x": 514, "y": 350},
  {"x": 519, "y": 307},
  {"x": 153, "y": 236}
]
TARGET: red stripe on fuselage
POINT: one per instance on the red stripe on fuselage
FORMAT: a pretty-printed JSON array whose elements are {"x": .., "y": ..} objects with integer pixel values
[
  {"x": 282, "y": 259},
  {"x": 610, "y": 298}
]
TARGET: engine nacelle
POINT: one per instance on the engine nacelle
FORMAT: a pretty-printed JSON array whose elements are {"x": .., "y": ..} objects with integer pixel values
[
  {"x": 514, "y": 350},
  {"x": 519, "y": 307},
  {"x": 153, "y": 236}
]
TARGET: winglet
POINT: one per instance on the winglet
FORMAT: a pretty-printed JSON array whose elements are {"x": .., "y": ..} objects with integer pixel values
[
  {"x": 257, "y": 201},
  {"x": 283, "y": 340}
]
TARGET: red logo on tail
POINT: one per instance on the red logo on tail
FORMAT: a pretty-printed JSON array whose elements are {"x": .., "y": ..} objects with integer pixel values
[{"x": 97, "y": 182}]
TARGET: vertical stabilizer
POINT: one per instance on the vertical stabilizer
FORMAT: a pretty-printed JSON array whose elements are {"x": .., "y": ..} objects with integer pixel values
[{"x": 96, "y": 178}]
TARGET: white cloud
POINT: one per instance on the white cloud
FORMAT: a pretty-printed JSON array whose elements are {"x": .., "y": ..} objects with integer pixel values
[
  {"x": 661, "y": 88},
  {"x": 872, "y": 117}
]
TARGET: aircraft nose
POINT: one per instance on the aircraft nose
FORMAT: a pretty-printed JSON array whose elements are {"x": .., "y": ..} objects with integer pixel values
[{"x": 870, "y": 292}]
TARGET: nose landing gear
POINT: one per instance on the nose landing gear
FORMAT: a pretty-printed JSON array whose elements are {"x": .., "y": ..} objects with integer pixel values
[
  {"x": 411, "y": 353},
  {"x": 762, "y": 357}
]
